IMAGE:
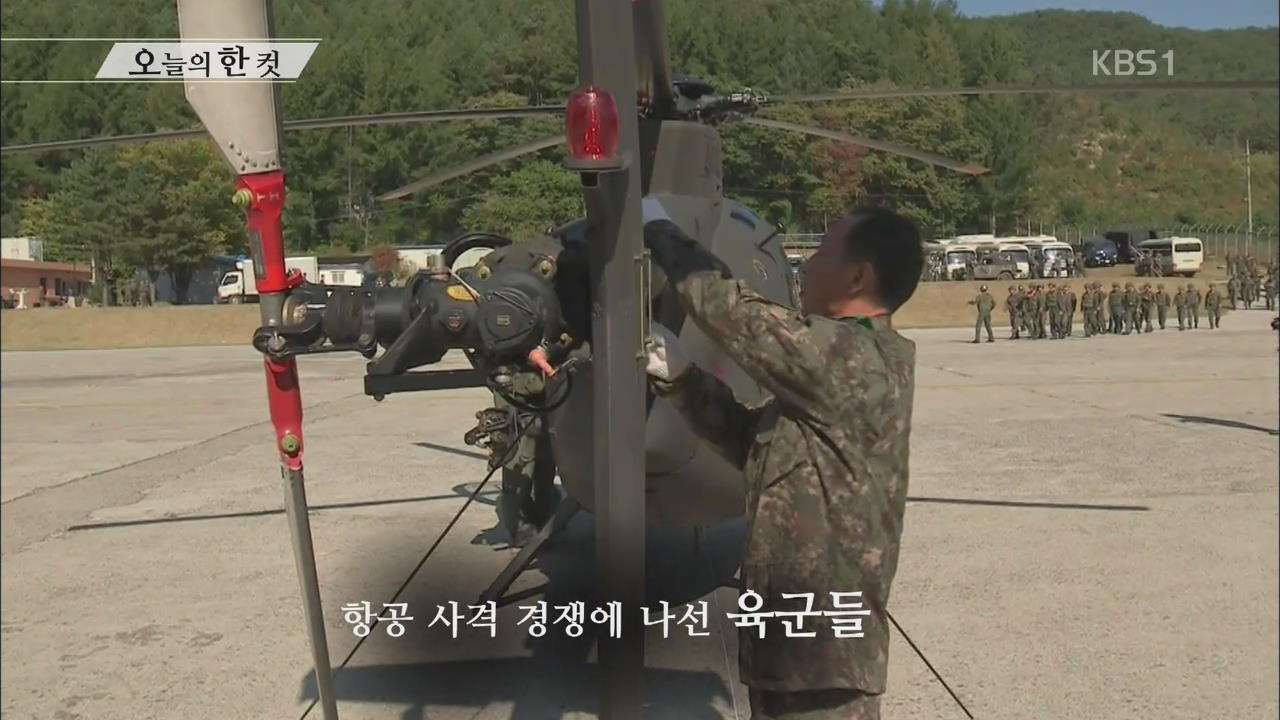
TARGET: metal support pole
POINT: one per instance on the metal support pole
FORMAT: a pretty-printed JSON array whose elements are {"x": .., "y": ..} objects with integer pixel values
[
  {"x": 607, "y": 59},
  {"x": 304, "y": 558}
]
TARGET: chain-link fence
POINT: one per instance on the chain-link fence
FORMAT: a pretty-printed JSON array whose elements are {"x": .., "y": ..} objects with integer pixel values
[
  {"x": 1263, "y": 242},
  {"x": 1220, "y": 240}
]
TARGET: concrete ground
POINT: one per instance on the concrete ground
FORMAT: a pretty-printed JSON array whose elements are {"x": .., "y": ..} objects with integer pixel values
[{"x": 1093, "y": 534}]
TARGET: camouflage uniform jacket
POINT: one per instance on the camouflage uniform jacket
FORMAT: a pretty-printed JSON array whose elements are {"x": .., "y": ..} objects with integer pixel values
[
  {"x": 825, "y": 464},
  {"x": 1162, "y": 299}
]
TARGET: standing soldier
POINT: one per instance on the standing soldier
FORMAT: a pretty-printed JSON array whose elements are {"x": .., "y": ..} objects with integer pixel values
[
  {"x": 1193, "y": 306},
  {"x": 1180, "y": 302},
  {"x": 1213, "y": 307},
  {"x": 1042, "y": 307},
  {"x": 1093, "y": 317},
  {"x": 1162, "y": 304},
  {"x": 1130, "y": 308},
  {"x": 1029, "y": 311},
  {"x": 1066, "y": 309},
  {"x": 527, "y": 495},
  {"x": 1270, "y": 291},
  {"x": 1026, "y": 309},
  {"x": 1248, "y": 288},
  {"x": 986, "y": 304},
  {"x": 1011, "y": 305},
  {"x": 1148, "y": 304},
  {"x": 1233, "y": 290},
  {"x": 841, "y": 382},
  {"x": 1087, "y": 306},
  {"x": 1099, "y": 309},
  {"x": 1115, "y": 303},
  {"x": 1051, "y": 309}
]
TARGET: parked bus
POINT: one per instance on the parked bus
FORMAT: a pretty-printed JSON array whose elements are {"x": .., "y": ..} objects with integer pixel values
[
  {"x": 958, "y": 258},
  {"x": 1176, "y": 255}
]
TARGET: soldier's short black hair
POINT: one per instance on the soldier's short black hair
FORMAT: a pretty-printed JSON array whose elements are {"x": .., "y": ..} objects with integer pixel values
[{"x": 891, "y": 243}]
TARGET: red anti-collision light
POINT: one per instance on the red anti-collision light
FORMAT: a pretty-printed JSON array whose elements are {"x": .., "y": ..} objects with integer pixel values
[{"x": 591, "y": 124}]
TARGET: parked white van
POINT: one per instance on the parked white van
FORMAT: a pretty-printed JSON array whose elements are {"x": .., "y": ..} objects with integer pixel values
[{"x": 1176, "y": 255}]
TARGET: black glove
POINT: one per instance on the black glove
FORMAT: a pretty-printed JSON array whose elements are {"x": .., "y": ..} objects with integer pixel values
[{"x": 678, "y": 254}]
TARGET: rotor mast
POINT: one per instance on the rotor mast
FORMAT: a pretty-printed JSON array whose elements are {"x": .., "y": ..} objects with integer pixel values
[
  {"x": 607, "y": 59},
  {"x": 653, "y": 68}
]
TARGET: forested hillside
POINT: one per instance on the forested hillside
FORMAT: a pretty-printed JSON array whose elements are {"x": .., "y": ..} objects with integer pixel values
[{"x": 1164, "y": 157}]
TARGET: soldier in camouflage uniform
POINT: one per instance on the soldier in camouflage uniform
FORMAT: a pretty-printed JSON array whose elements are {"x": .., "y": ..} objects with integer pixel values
[
  {"x": 1148, "y": 300},
  {"x": 1248, "y": 288},
  {"x": 1087, "y": 307},
  {"x": 1162, "y": 304},
  {"x": 1024, "y": 310},
  {"x": 1270, "y": 290},
  {"x": 1029, "y": 311},
  {"x": 1011, "y": 306},
  {"x": 1096, "y": 297},
  {"x": 825, "y": 455},
  {"x": 1034, "y": 311},
  {"x": 985, "y": 305},
  {"x": 1099, "y": 309},
  {"x": 1193, "y": 307},
  {"x": 1066, "y": 309},
  {"x": 1046, "y": 314},
  {"x": 1130, "y": 300},
  {"x": 1213, "y": 307},
  {"x": 1180, "y": 302},
  {"x": 527, "y": 495},
  {"x": 1115, "y": 303},
  {"x": 1233, "y": 290},
  {"x": 1051, "y": 309}
]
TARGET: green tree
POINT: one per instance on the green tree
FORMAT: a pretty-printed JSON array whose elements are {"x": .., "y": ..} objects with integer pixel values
[
  {"x": 179, "y": 210},
  {"x": 526, "y": 203}
]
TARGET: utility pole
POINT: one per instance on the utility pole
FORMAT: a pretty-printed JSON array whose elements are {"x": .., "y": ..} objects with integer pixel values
[{"x": 1248, "y": 181}]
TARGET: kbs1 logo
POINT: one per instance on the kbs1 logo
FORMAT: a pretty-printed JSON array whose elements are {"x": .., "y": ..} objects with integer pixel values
[{"x": 1127, "y": 63}]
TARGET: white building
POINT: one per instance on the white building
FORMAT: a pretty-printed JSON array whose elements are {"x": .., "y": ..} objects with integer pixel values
[{"x": 22, "y": 248}]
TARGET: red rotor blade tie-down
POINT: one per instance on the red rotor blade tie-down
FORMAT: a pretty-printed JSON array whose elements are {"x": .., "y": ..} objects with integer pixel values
[{"x": 262, "y": 195}]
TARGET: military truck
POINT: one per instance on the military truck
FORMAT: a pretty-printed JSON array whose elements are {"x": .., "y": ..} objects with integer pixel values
[
  {"x": 996, "y": 266},
  {"x": 1127, "y": 240}
]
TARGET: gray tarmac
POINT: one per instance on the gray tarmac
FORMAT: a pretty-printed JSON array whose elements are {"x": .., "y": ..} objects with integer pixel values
[{"x": 1093, "y": 534}]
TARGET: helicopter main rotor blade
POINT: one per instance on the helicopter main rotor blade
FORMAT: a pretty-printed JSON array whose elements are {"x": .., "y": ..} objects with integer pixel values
[
  {"x": 1032, "y": 90},
  {"x": 931, "y": 158},
  {"x": 399, "y": 118},
  {"x": 472, "y": 166},
  {"x": 542, "y": 110}
]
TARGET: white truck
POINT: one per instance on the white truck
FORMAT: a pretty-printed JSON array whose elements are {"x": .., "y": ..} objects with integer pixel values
[
  {"x": 240, "y": 285},
  {"x": 345, "y": 276}
]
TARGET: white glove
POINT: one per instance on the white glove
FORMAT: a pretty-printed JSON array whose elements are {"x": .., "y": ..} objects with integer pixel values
[
  {"x": 651, "y": 209},
  {"x": 666, "y": 356}
]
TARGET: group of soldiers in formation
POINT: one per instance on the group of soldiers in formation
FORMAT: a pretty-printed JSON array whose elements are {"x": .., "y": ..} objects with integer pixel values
[
  {"x": 1049, "y": 311},
  {"x": 1246, "y": 280}
]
